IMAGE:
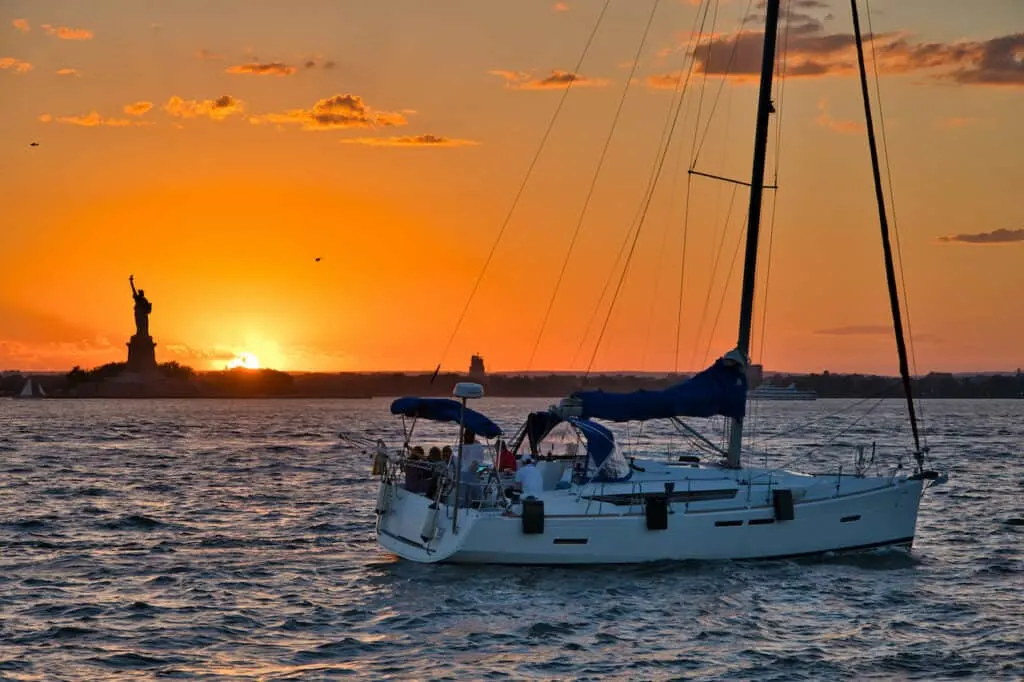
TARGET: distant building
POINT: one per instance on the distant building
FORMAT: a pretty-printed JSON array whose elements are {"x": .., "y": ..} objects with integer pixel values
[
  {"x": 755, "y": 375},
  {"x": 476, "y": 368}
]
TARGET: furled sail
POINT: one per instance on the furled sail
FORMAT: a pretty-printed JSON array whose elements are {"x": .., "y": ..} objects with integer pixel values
[{"x": 719, "y": 390}]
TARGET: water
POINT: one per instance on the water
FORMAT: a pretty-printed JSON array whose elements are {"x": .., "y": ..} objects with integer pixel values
[{"x": 233, "y": 540}]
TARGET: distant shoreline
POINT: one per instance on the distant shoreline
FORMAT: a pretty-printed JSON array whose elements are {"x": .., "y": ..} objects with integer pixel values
[{"x": 175, "y": 381}]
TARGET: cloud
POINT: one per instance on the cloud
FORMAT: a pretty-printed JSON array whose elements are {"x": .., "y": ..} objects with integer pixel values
[
  {"x": 338, "y": 111},
  {"x": 956, "y": 122},
  {"x": 857, "y": 330},
  {"x": 67, "y": 72},
  {"x": 1000, "y": 236},
  {"x": 872, "y": 330},
  {"x": 663, "y": 81},
  {"x": 825, "y": 120},
  {"x": 137, "y": 108},
  {"x": 315, "y": 62},
  {"x": 15, "y": 64},
  {"x": 264, "y": 69},
  {"x": 22, "y": 25},
  {"x": 67, "y": 33},
  {"x": 91, "y": 120},
  {"x": 560, "y": 7},
  {"x": 812, "y": 51},
  {"x": 215, "y": 109},
  {"x": 411, "y": 141},
  {"x": 203, "y": 53},
  {"x": 48, "y": 355},
  {"x": 556, "y": 80}
]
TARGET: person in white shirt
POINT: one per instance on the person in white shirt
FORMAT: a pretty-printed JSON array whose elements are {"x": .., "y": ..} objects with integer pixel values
[
  {"x": 529, "y": 478},
  {"x": 472, "y": 456}
]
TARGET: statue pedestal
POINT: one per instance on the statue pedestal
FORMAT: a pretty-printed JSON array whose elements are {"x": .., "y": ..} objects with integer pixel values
[{"x": 141, "y": 354}]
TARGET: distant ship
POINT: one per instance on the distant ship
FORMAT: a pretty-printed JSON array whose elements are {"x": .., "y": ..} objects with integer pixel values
[{"x": 791, "y": 392}]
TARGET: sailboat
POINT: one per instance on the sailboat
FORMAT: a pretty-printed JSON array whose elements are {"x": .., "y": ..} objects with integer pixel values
[
  {"x": 594, "y": 505},
  {"x": 32, "y": 389}
]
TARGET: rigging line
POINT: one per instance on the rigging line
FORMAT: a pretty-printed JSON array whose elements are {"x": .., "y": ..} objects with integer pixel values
[
  {"x": 680, "y": 91},
  {"x": 522, "y": 186},
  {"x": 725, "y": 290},
  {"x": 643, "y": 215},
  {"x": 885, "y": 392},
  {"x": 686, "y": 232},
  {"x": 828, "y": 441},
  {"x": 661, "y": 256},
  {"x": 682, "y": 270},
  {"x": 661, "y": 262},
  {"x": 704, "y": 81},
  {"x": 892, "y": 206},
  {"x": 604, "y": 290},
  {"x": 593, "y": 181},
  {"x": 782, "y": 70},
  {"x": 721, "y": 84},
  {"x": 714, "y": 271},
  {"x": 890, "y": 273}
]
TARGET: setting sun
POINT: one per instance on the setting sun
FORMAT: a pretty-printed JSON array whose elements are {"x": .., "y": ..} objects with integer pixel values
[{"x": 244, "y": 360}]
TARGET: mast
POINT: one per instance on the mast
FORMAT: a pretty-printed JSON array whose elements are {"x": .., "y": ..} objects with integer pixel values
[
  {"x": 890, "y": 270},
  {"x": 764, "y": 109}
]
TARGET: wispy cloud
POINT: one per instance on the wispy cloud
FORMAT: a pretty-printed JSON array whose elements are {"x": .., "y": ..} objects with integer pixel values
[
  {"x": 338, "y": 111},
  {"x": 22, "y": 25},
  {"x": 812, "y": 51},
  {"x": 556, "y": 80},
  {"x": 956, "y": 122},
  {"x": 873, "y": 330},
  {"x": 825, "y": 120},
  {"x": 91, "y": 120},
  {"x": 262, "y": 69},
  {"x": 67, "y": 72},
  {"x": 1000, "y": 236},
  {"x": 14, "y": 64},
  {"x": 203, "y": 53},
  {"x": 67, "y": 33},
  {"x": 318, "y": 63},
  {"x": 856, "y": 330},
  {"x": 215, "y": 109},
  {"x": 137, "y": 108},
  {"x": 411, "y": 141}
]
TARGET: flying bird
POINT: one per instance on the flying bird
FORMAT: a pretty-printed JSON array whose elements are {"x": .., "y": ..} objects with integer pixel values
[
  {"x": 318, "y": 259},
  {"x": 33, "y": 144}
]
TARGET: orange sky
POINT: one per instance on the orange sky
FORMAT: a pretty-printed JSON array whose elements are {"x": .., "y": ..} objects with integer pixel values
[{"x": 214, "y": 150}]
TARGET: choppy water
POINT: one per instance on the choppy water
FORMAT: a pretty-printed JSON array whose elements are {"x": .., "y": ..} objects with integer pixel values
[{"x": 233, "y": 540}]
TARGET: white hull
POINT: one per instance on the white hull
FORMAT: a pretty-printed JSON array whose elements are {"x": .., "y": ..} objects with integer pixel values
[
  {"x": 776, "y": 396},
  {"x": 864, "y": 513}
]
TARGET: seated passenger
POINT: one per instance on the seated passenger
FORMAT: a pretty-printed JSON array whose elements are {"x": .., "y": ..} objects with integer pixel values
[
  {"x": 418, "y": 476},
  {"x": 506, "y": 460},
  {"x": 434, "y": 455},
  {"x": 416, "y": 453},
  {"x": 529, "y": 477}
]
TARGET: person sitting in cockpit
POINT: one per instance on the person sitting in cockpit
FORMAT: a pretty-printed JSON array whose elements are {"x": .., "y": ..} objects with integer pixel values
[{"x": 529, "y": 478}]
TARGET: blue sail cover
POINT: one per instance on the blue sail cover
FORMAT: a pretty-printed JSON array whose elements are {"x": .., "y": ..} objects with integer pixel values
[
  {"x": 445, "y": 410},
  {"x": 719, "y": 390}
]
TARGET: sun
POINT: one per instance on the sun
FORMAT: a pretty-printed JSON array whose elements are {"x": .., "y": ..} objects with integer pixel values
[{"x": 244, "y": 360}]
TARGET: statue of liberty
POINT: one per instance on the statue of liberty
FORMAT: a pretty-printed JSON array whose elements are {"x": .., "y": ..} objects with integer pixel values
[{"x": 142, "y": 309}]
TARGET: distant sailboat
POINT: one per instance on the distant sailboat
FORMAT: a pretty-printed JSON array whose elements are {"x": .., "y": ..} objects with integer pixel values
[{"x": 32, "y": 389}]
